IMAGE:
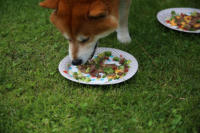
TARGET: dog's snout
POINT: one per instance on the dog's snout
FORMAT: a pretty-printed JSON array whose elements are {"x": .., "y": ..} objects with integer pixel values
[{"x": 77, "y": 62}]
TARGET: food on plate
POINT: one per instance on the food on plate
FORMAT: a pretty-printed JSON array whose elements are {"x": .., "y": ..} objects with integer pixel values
[
  {"x": 98, "y": 68},
  {"x": 184, "y": 21}
]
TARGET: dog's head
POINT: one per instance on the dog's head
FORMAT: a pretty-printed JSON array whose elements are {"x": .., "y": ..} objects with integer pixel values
[{"x": 82, "y": 23}]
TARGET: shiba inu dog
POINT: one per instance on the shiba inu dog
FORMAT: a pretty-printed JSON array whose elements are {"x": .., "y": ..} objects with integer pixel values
[{"x": 84, "y": 22}]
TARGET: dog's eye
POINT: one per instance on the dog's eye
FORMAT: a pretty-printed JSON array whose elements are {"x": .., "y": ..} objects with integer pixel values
[{"x": 85, "y": 40}]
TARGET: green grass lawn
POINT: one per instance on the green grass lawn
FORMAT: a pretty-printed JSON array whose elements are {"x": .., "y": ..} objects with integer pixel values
[{"x": 164, "y": 95}]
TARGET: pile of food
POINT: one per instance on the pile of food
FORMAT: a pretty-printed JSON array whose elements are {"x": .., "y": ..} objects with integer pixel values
[
  {"x": 185, "y": 22},
  {"x": 97, "y": 68}
]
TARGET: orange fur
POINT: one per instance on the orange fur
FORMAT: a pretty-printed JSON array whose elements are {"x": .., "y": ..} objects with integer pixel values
[
  {"x": 98, "y": 8},
  {"x": 83, "y": 17},
  {"x": 49, "y": 4}
]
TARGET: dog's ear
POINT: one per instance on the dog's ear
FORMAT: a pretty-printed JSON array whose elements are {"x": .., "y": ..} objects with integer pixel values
[
  {"x": 97, "y": 9},
  {"x": 53, "y": 4}
]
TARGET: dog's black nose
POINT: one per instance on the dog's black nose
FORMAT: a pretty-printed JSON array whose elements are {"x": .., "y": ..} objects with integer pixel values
[{"x": 76, "y": 62}]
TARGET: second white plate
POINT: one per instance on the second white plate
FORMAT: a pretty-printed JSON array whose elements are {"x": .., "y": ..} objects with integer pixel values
[{"x": 163, "y": 15}]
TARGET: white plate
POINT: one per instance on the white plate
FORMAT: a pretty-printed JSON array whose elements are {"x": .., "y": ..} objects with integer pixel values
[
  {"x": 66, "y": 69},
  {"x": 164, "y": 15}
]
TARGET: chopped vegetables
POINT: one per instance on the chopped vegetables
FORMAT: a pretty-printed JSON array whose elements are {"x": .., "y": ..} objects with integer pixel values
[
  {"x": 108, "y": 70},
  {"x": 79, "y": 76},
  {"x": 97, "y": 68},
  {"x": 116, "y": 59},
  {"x": 107, "y": 53},
  {"x": 184, "y": 21}
]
